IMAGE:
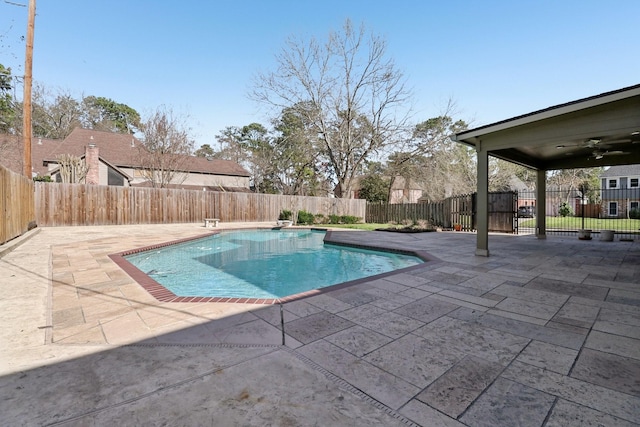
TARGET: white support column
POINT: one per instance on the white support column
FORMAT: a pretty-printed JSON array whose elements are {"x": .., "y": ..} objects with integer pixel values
[
  {"x": 541, "y": 204},
  {"x": 482, "y": 247}
]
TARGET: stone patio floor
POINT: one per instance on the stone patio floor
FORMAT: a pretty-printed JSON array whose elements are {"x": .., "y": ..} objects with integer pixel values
[{"x": 541, "y": 333}]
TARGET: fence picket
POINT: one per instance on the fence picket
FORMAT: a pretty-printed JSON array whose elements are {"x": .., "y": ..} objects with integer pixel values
[{"x": 16, "y": 204}]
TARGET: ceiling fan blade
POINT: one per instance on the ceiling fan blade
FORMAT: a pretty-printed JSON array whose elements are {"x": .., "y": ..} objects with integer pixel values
[
  {"x": 597, "y": 154},
  {"x": 618, "y": 141}
]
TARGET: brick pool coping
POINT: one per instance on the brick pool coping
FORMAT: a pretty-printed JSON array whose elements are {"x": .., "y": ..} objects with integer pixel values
[{"x": 162, "y": 294}]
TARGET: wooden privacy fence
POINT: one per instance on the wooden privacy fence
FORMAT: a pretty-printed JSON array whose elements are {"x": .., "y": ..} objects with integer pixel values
[
  {"x": 451, "y": 211},
  {"x": 589, "y": 210},
  {"x": 16, "y": 204},
  {"x": 439, "y": 213},
  {"x": 78, "y": 204}
]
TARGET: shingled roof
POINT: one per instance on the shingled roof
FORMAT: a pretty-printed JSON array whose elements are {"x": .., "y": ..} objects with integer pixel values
[
  {"x": 120, "y": 150},
  {"x": 624, "y": 170},
  {"x": 12, "y": 155},
  {"x": 123, "y": 150}
]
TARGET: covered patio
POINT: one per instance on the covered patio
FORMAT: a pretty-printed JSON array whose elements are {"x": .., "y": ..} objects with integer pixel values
[{"x": 602, "y": 130}]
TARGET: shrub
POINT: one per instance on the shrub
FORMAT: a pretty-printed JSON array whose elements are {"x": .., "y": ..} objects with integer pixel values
[
  {"x": 407, "y": 223},
  {"x": 349, "y": 219},
  {"x": 565, "y": 210},
  {"x": 285, "y": 215},
  {"x": 634, "y": 214},
  {"x": 411, "y": 225},
  {"x": 42, "y": 178},
  {"x": 305, "y": 217},
  {"x": 424, "y": 224},
  {"x": 321, "y": 219},
  {"x": 334, "y": 219}
]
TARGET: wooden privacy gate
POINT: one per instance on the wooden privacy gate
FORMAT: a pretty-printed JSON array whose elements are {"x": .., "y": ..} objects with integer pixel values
[
  {"x": 454, "y": 210},
  {"x": 502, "y": 210}
]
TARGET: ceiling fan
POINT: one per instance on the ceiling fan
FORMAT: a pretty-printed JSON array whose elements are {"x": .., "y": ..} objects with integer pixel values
[
  {"x": 595, "y": 143},
  {"x": 599, "y": 154}
]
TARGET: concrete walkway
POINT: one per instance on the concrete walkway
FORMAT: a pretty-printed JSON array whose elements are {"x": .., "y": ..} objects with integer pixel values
[{"x": 543, "y": 332}]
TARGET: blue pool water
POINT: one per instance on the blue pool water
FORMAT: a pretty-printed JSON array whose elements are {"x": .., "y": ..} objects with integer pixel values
[{"x": 261, "y": 264}]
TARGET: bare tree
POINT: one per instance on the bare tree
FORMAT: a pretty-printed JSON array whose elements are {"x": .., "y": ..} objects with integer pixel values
[
  {"x": 429, "y": 157},
  {"x": 354, "y": 98},
  {"x": 167, "y": 147},
  {"x": 502, "y": 174},
  {"x": 570, "y": 181},
  {"x": 55, "y": 115},
  {"x": 73, "y": 169},
  {"x": 57, "y": 112}
]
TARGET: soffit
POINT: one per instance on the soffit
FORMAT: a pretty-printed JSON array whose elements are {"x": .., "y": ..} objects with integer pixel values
[{"x": 597, "y": 131}]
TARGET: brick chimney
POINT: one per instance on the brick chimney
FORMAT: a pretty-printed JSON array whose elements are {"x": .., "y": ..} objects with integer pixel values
[{"x": 93, "y": 164}]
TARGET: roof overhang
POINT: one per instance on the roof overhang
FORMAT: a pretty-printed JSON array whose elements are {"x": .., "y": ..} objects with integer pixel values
[{"x": 601, "y": 130}]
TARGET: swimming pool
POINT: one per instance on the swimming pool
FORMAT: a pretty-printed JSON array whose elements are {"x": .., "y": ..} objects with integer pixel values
[{"x": 261, "y": 264}]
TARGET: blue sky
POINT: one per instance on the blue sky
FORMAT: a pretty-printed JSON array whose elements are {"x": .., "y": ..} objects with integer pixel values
[{"x": 496, "y": 59}]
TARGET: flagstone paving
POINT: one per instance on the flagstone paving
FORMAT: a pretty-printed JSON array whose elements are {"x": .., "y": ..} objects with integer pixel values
[{"x": 541, "y": 333}]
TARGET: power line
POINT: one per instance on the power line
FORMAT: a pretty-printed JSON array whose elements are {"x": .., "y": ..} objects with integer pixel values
[{"x": 15, "y": 4}]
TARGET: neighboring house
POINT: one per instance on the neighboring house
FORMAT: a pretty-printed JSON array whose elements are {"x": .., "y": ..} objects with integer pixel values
[
  {"x": 11, "y": 153},
  {"x": 355, "y": 188},
  {"x": 405, "y": 191},
  {"x": 526, "y": 195},
  {"x": 620, "y": 190},
  {"x": 116, "y": 159},
  {"x": 559, "y": 195}
]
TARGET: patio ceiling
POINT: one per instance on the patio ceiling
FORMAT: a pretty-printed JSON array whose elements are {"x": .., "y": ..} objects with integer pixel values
[{"x": 601, "y": 130}]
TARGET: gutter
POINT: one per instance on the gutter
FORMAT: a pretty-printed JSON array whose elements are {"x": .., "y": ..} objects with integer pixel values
[{"x": 454, "y": 138}]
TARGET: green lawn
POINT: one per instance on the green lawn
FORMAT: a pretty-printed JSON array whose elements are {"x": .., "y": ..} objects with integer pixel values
[{"x": 575, "y": 223}]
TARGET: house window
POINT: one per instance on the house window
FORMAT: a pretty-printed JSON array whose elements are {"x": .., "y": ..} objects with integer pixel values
[
  {"x": 634, "y": 205},
  {"x": 612, "y": 183},
  {"x": 114, "y": 178},
  {"x": 613, "y": 208},
  {"x": 633, "y": 182}
]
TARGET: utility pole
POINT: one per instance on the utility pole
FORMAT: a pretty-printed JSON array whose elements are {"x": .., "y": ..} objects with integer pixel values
[{"x": 26, "y": 102}]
